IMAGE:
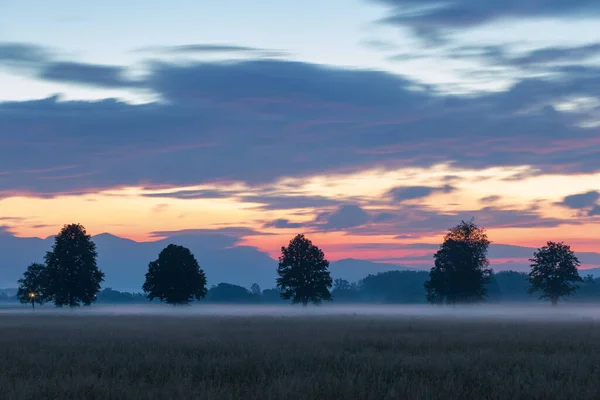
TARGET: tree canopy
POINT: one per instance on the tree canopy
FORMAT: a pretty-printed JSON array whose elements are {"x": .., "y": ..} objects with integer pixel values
[
  {"x": 460, "y": 272},
  {"x": 394, "y": 287},
  {"x": 33, "y": 287},
  {"x": 255, "y": 289},
  {"x": 344, "y": 291},
  {"x": 228, "y": 293},
  {"x": 175, "y": 277},
  {"x": 554, "y": 272},
  {"x": 73, "y": 276},
  {"x": 303, "y": 273}
]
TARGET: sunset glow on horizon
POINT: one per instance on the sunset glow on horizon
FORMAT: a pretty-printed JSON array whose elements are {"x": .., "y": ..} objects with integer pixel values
[
  {"x": 149, "y": 214},
  {"x": 373, "y": 134}
]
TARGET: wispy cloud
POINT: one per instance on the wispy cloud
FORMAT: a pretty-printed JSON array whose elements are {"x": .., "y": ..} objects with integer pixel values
[
  {"x": 212, "y": 48},
  {"x": 416, "y": 192},
  {"x": 431, "y": 18}
]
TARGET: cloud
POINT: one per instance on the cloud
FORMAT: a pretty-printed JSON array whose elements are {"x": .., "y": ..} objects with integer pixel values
[
  {"x": 594, "y": 211},
  {"x": 13, "y": 219},
  {"x": 160, "y": 208},
  {"x": 22, "y": 54},
  {"x": 302, "y": 84},
  {"x": 207, "y": 48},
  {"x": 410, "y": 193},
  {"x": 430, "y": 18},
  {"x": 384, "y": 217},
  {"x": 344, "y": 217},
  {"x": 282, "y": 224},
  {"x": 190, "y": 194},
  {"x": 41, "y": 63},
  {"x": 489, "y": 199},
  {"x": 550, "y": 60},
  {"x": 40, "y": 226},
  {"x": 272, "y": 202},
  {"x": 234, "y": 231},
  {"x": 548, "y": 55},
  {"x": 105, "y": 76},
  {"x": 261, "y": 120},
  {"x": 420, "y": 220},
  {"x": 417, "y": 192},
  {"x": 582, "y": 200}
]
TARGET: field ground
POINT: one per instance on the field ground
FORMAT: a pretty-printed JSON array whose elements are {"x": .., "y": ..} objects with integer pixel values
[{"x": 71, "y": 355}]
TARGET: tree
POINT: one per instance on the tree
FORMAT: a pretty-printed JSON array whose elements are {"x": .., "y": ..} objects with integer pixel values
[
  {"x": 344, "y": 291},
  {"x": 394, "y": 287},
  {"x": 108, "y": 295},
  {"x": 303, "y": 273},
  {"x": 73, "y": 276},
  {"x": 255, "y": 289},
  {"x": 460, "y": 273},
  {"x": 228, "y": 293},
  {"x": 33, "y": 287},
  {"x": 513, "y": 285},
  {"x": 175, "y": 277},
  {"x": 554, "y": 272}
]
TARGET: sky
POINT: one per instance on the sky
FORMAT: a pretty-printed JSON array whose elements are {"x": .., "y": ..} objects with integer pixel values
[{"x": 372, "y": 126}]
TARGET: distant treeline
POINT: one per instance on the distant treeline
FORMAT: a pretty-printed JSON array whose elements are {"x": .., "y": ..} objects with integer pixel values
[{"x": 393, "y": 287}]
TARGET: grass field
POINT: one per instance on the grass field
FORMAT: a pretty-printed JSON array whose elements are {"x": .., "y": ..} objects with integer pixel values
[{"x": 47, "y": 356}]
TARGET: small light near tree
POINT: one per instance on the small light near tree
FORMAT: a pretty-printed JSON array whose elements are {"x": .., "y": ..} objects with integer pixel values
[{"x": 32, "y": 297}]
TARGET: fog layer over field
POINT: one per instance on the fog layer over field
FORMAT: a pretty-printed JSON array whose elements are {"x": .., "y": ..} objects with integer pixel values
[{"x": 513, "y": 311}]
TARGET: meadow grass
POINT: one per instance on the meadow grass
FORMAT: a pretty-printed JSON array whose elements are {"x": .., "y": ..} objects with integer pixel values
[{"x": 311, "y": 357}]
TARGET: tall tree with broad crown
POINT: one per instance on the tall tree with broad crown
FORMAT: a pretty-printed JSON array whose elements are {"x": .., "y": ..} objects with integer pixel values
[
  {"x": 303, "y": 273},
  {"x": 175, "y": 277},
  {"x": 554, "y": 272},
  {"x": 460, "y": 270},
  {"x": 73, "y": 275}
]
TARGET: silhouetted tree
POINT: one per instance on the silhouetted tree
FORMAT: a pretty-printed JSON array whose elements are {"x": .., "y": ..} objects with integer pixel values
[
  {"x": 554, "y": 272},
  {"x": 303, "y": 273},
  {"x": 394, "y": 287},
  {"x": 513, "y": 285},
  {"x": 492, "y": 287},
  {"x": 228, "y": 293},
  {"x": 73, "y": 276},
  {"x": 109, "y": 295},
  {"x": 589, "y": 290},
  {"x": 175, "y": 277},
  {"x": 461, "y": 272},
  {"x": 34, "y": 285},
  {"x": 344, "y": 291},
  {"x": 255, "y": 289}
]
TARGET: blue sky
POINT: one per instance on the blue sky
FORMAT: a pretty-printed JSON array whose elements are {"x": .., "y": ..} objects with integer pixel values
[
  {"x": 335, "y": 32},
  {"x": 276, "y": 116},
  {"x": 110, "y": 32}
]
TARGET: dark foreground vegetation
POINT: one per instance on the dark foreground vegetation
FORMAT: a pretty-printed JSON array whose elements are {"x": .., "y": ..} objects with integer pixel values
[{"x": 317, "y": 357}]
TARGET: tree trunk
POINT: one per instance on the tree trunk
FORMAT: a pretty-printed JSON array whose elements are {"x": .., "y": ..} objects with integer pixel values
[{"x": 554, "y": 301}]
